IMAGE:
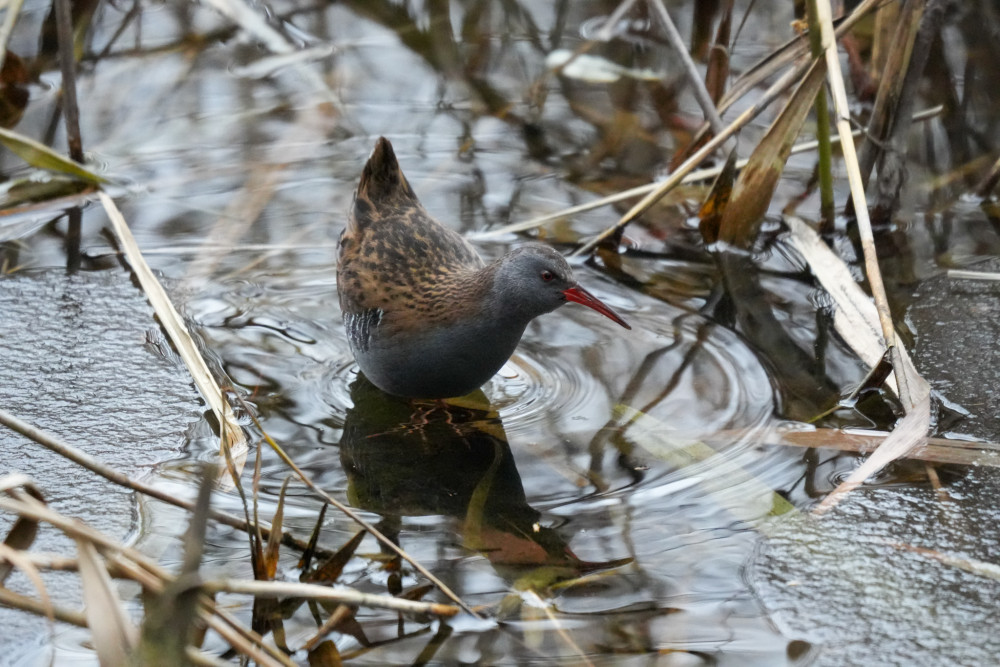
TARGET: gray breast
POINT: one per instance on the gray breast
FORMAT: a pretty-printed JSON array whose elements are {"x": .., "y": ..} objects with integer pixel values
[{"x": 437, "y": 362}]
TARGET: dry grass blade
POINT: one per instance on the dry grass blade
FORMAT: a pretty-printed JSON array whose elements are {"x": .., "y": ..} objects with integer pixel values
[
  {"x": 710, "y": 213},
  {"x": 307, "y": 554},
  {"x": 42, "y": 157},
  {"x": 273, "y": 548},
  {"x": 114, "y": 635},
  {"x": 174, "y": 325},
  {"x": 753, "y": 191},
  {"x": 855, "y": 317}
]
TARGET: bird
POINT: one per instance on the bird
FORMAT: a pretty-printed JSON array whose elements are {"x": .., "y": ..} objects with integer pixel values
[{"x": 426, "y": 317}]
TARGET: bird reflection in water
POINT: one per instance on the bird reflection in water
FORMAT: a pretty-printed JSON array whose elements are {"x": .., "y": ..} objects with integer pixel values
[{"x": 410, "y": 458}]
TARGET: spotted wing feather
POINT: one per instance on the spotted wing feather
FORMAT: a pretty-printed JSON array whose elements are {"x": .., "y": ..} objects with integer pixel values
[{"x": 394, "y": 257}]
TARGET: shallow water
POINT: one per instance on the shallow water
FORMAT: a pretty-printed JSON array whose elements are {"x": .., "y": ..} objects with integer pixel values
[{"x": 612, "y": 495}]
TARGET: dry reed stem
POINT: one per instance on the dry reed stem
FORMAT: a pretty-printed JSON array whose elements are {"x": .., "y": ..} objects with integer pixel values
[
  {"x": 825, "y": 21},
  {"x": 701, "y": 93},
  {"x": 9, "y": 598},
  {"x": 914, "y": 392},
  {"x": 973, "y": 275},
  {"x": 174, "y": 325},
  {"x": 344, "y": 595}
]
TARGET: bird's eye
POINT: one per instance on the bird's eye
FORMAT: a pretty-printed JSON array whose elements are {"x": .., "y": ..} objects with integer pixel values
[{"x": 548, "y": 276}]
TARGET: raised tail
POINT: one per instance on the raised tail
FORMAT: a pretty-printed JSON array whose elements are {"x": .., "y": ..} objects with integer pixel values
[{"x": 382, "y": 181}]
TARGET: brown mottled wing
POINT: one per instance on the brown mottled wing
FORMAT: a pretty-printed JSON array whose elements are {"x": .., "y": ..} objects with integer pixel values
[{"x": 393, "y": 255}]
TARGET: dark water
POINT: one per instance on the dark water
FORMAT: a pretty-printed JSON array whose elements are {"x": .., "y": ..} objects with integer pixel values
[{"x": 578, "y": 499}]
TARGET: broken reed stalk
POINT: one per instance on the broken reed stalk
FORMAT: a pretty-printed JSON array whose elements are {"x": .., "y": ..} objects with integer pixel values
[{"x": 825, "y": 20}]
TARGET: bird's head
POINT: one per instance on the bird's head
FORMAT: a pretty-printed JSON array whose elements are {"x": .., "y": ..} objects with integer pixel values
[{"x": 535, "y": 279}]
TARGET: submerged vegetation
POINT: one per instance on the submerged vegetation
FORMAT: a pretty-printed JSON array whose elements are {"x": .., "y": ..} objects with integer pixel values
[{"x": 768, "y": 195}]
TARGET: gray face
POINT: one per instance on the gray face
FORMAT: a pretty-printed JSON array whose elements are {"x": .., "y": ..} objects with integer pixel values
[{"x": 531, "y": 280}]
